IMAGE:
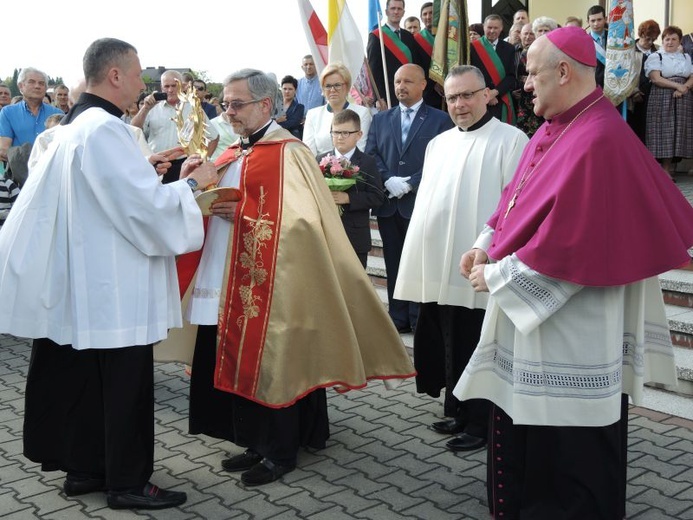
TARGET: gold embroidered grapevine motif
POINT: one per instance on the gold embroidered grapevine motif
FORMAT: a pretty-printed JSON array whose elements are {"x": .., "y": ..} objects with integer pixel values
[{"x": 260, "y": 231}]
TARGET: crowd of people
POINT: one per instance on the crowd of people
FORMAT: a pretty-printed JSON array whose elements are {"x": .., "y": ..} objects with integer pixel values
[{"x": 525, "y": 266}]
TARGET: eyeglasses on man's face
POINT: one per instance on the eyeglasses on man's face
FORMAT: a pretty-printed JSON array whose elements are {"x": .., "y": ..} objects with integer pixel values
[
  {"x": 199, "y": 87},
  {"x": 237, "y": 105},
  {"x": 452, "y": 98}
]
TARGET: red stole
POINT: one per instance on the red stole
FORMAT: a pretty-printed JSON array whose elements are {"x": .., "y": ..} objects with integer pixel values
[
  {"x": 187, "y": 264},
  {"x": 247, "y": 297},
  {"x": 394, "y": 44},
  {"x": 494, "y": 67}
]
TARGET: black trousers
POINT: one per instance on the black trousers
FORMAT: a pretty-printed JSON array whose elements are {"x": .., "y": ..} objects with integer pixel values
[
  {"x": 363, "y": 258},
  {"x": 552, "y": 472},
  {"x": 274, "y": 433},
  {"x": 91, "y": 412},
  {"x": 444, "y": 341},
  {"x": 393, "y": 231}
]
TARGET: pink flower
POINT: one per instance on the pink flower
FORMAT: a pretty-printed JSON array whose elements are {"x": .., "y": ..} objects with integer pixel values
[
  {"x": 336, "y": 168},
  {"x": 324, "y": 162}
]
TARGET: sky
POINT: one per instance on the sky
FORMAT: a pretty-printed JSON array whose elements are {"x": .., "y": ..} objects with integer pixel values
[{"x": 215, "y": 36}]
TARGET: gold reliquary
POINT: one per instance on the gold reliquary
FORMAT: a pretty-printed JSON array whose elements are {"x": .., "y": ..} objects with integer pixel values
[{"x": 192, "y": 135}]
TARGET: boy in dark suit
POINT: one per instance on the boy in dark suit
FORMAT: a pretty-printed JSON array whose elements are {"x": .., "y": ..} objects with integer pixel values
[{"x": 367, "y": 193}]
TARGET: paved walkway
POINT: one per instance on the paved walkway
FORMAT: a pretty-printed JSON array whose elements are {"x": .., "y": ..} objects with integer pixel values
[
  {"x": 685, "y": 184},
  {"x": 382, "y": 462}
]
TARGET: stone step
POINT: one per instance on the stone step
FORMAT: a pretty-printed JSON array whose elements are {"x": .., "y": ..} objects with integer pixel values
[
  {"x": 376, "y": 240},
  {"x": 677, "y": 287},
  {"x": 376, "y": 243},
  {"x": 375, "y": 268},
  {"x": 667, "y": 402},
  {"x": 680, "y": 325},
  {"x": 677, "y": 291}
]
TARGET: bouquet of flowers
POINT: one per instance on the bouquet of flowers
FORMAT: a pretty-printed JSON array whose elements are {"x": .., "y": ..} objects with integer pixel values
[{"x": 339, "y": 173}]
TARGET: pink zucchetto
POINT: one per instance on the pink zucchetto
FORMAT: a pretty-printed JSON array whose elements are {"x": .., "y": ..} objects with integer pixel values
[{"x": 576, "y": 43}]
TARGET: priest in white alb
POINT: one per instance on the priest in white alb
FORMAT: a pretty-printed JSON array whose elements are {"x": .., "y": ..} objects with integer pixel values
[
  {"x": 87, "y": 269},
  {"x": 464, "y": 173}
]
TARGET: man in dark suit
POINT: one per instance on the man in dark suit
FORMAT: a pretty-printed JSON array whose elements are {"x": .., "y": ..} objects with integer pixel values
[
  {"x": 398, "y": 139},
  {"x": 356, "y": 202},
  {"x": 596, "y": 19},
  {"x": 400, "y": 49},
  {"x": 496, "y": 60}
]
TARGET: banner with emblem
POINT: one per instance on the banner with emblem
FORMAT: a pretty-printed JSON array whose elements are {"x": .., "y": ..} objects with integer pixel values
[
  {"x": 451, "y": 45},
  {"x": 621, "y": 70}
]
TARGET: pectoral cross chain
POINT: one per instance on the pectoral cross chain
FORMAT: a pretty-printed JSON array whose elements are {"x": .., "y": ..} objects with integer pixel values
[{"x": 511, "y": 205}]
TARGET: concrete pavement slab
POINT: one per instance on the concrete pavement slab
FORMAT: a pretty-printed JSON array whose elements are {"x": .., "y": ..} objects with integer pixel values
[{"x": 382, "y": 461}]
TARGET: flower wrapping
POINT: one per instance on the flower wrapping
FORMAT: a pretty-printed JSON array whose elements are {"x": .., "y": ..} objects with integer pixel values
[{"x": 339, "y": 174}]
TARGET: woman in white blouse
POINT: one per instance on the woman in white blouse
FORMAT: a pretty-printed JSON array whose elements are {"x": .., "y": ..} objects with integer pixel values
[
  {"x": 669, "y": 134},
  {"x": 336, "y": 83}
]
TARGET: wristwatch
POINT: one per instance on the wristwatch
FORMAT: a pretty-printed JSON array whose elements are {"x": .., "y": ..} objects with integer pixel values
[{"x": 192, "y": 183}]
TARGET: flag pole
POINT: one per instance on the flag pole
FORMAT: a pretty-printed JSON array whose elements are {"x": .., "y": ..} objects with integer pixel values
[{"x": 382, "y": 56}]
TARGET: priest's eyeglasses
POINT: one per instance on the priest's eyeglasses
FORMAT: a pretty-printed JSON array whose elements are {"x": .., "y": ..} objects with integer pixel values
[
  {"x": 237, "y": 105},
  {"x": 344, "y": 133},
  {"x": 452, "y": 98}
]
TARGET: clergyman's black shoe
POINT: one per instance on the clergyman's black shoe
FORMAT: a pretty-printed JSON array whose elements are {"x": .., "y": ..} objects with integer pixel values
[
  {"x": 242, "y": 462},
  {"x": 449, "y": 426},
  {"x": 151, "y": 497},
  {"x": 465, "y": 442},
  {"x": 75, "y": 486},
  {"x": 264, "y": 473}
]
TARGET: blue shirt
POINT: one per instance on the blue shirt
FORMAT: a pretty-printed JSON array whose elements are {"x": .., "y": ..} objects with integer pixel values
[
  {"x": 209, "y": 109},
  {"x": 309, "y": 93},
  {"x": 19, "y": 124}
]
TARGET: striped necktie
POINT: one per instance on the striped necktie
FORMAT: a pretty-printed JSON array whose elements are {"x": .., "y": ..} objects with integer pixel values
[{"x": 406, "y": 124}]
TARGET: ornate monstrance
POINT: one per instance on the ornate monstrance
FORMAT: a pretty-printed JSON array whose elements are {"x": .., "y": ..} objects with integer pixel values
[
  {"x": 192, "y": 136},
  {"x": 192, "y": 130}
]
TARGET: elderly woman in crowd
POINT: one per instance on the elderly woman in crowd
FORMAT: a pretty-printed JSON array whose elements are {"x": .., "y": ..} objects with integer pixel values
[
  {"x": 336, "y": 83},
  {"x": 542, "y": 25},
  {"x": 669, "y": 134},
  {"x": 292, "y": 118},
  {"x": 648, "y": 32}
]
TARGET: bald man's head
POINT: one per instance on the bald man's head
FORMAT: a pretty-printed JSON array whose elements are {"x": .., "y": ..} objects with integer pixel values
[{"x": 410, "y": 82}]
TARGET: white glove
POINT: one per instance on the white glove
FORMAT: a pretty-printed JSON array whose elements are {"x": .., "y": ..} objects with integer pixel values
[{"x": 398, "y": 186}]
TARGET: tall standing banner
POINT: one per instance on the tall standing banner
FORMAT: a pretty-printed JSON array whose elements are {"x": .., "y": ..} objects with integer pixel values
[
  {"x": 451, "y": 45},
  {"x": 374, "y": 14},
  {"x": 436, "y": 16},
  {"x": 621, "y": 70},
  {"x": 315, "y": 34},
  {"x": 345, "y": 45}
]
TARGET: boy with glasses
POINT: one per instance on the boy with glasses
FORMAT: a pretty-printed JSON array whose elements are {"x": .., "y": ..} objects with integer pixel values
[{"x": 367, "y": 193}]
